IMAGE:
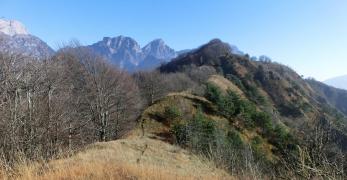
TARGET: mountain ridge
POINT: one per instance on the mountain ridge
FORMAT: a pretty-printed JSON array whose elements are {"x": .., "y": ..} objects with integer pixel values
[
  {"x": 25, "y": 44},
  {"x": 125, "y": 52},
  {"x": 273, "y": 87}
]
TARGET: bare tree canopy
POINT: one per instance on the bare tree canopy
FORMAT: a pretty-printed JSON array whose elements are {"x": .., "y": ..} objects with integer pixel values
[{"x": 64, "y": 102}]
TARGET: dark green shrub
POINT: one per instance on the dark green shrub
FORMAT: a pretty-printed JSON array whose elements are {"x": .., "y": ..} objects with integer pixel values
[
  {"x": 225, "y": 104},
  {"x": 263, "y": 120},
  {"x": 228, "y": 104},
  {"x": 257, "y": 150},
  {"x": 290, "y": 110},
  {"x": 256, "y": 141},
  {"x": 179, "y": 131},
  {"x": 234, "y": 139},
  {"x": 172, "y": 113},
  {"x": 235, "y": 80},
  {"x": 306, "y": 107},
  {"x": 197, "y": 134},
  {"x": 247, "y": 109},
  {"x": 252, "y": 91},
  {"x": 201, "y": 133},
  {"x": 213, "y": 93},
  {"x": 231, "y": 105},
  {"x": 282, "y": 139}
]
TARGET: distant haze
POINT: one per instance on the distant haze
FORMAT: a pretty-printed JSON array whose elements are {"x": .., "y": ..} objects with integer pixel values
[{"x": 338, "y": 82}]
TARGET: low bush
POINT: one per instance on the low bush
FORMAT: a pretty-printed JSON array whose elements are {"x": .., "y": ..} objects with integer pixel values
[
  {"x": 225, "y": 147},
  {"x": 197, "y": 134},
  {"x": 172, "y": 113}
]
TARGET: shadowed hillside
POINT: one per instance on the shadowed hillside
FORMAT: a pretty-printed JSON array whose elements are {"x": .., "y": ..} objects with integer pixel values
[{"x": 328, "y": 94}]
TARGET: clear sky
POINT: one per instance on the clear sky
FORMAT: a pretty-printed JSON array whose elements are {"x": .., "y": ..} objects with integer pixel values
[{"x": 308, "y": 35}]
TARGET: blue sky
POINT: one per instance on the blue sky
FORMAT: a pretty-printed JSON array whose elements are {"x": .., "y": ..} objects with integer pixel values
[{"x": 308, "y": 35}]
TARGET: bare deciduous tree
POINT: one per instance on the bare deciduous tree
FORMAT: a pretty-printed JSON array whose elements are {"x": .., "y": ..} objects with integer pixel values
[
  {"x": 72, "y": 99},
  {"x": 152, "y": 85}
]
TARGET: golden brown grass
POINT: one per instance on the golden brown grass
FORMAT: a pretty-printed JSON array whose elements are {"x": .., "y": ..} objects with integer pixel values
[
  {"x": 225, "y": 84},
  {"x": 136, "y": 158}
]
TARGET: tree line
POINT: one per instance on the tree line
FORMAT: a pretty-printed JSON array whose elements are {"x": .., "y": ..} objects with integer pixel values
[
  {"x": 64, "y": 102},
  {"x": 74, "y": 98}
]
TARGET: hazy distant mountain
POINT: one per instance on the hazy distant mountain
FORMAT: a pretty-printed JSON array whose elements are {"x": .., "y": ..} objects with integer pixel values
[
  {"x": 338, "y": 82},
  {"x": 14, "y": 38},
  {"x": 127, "y": 53},
  {"x": 122, "y": 51},
  {"x": 235, "y": 50},
  {"x": 183, "y": 52},
  {"x": 150, "y": 62},
  {"x": 159, "y": 50}
]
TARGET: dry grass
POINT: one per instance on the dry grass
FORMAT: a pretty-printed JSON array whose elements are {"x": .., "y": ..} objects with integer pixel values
[
  {"x": 136, "y": 158},
  {"x": 225, "y": 84}
]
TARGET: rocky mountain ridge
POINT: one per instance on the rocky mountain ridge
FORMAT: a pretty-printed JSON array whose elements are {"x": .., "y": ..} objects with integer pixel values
[{"x": 127, "y": 53}]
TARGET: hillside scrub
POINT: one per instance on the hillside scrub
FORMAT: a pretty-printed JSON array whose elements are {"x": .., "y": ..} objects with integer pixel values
[
  {"x": 226, "y": 146},
  {"x": 202, "y": 136}
]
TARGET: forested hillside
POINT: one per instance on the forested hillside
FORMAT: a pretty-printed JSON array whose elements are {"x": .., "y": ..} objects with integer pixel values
[{"x": 250, "y": 118}]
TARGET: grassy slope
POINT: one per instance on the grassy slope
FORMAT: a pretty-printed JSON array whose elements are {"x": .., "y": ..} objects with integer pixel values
[
  {"x": 132, "y": 158},
  {"x": 225, "y": 84}
]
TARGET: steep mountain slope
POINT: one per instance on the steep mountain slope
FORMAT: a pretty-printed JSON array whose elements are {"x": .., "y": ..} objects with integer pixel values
[
  {"x": 338, "y": 82},
  {"x": 292, "y": 125},
  {"x": 273, "y": 87},
  {"x": 15, "y": 39},
  {"x": 328, "y": 94},
  {"x": 127, "y": 53}
]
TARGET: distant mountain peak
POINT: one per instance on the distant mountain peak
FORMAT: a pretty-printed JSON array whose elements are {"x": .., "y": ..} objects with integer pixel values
[
  {"x": 338, "y": 82},
  {"x": 157, "y": 48},
  {"x": 203, "y": 55},
  {"x": 215, "y": 41},
  {"x": 122, "y": 50},
  {"x": 14, "y": 38},
  {"x": 126, "y": 52},
  {"x": 158, "y": 41},
  {"x": 12, "y": 27},
  {"x": 226, "y": 46},
  {"x": 120, "y": 41}
]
